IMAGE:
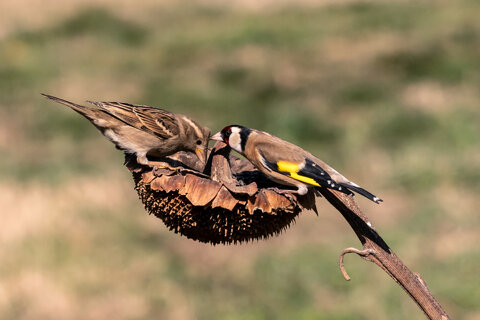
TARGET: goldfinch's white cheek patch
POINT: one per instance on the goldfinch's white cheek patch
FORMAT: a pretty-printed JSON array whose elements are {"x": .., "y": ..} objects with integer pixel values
[{"x": 235, "y": 140}]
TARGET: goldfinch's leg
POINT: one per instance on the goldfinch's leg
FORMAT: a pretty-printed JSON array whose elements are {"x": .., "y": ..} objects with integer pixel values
[{"x": 302, "y": 190}]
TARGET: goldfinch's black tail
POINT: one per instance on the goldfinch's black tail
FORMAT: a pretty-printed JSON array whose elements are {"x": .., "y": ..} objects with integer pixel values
[
  {"x": 339, "y": 187},
  {"x": 361, "y": 191}
]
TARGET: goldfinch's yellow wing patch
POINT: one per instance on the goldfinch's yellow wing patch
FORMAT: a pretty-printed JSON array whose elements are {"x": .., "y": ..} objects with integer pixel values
[
  {"x": 307, "y": 172},
  {"x": 287, "y": 166},
  {"x": 293, "y": 168},
  {"x": 304, "y": 179}
]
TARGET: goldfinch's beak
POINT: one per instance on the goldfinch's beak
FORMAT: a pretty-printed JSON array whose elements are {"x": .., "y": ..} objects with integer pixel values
[
  {"x": 201, "y": 154},
  {"x": 217, "y": 136}
]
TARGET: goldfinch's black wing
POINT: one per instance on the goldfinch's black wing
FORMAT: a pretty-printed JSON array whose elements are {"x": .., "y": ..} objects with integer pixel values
[
  {"x": 309, "y": 172},
  {"x": 312, "y": 170},
  {"x": 305, "y": 171}
]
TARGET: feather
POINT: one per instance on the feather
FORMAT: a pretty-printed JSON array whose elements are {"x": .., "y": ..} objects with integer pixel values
[{"x": 362, "y": 191}]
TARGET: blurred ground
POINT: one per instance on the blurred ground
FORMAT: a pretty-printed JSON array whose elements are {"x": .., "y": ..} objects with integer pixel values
[{"x": 386, "y": 92}]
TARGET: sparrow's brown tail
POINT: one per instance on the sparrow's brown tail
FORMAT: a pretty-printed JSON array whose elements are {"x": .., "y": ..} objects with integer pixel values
[{"x": 89, "y": 113}]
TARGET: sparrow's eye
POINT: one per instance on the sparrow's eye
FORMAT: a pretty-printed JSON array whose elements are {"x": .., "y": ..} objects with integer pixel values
[{"x": 199, "y": 142}]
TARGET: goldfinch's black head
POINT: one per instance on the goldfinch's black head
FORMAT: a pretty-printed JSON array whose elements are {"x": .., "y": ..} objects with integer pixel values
[{"x": 234, "y": 136}]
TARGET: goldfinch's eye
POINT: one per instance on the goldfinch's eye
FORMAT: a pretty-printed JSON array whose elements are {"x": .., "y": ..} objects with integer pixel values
[{"x": 199, "y": 142}]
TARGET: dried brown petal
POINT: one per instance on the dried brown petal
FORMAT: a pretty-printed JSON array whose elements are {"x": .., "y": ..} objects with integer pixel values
[
  {"x": 155, "y": 184},
  {"x": 224, "y": 199},
  {"x": 267, "y": 200},
  {"x": 200, "y": 191},
  {"x": 171, "y": 183}
]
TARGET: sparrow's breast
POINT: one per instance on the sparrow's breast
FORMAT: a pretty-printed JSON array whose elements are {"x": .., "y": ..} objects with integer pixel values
[{"x": 133, "y": 140}]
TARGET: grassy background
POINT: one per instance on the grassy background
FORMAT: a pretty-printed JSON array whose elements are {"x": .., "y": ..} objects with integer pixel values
[{"x": 387, "y": 92}]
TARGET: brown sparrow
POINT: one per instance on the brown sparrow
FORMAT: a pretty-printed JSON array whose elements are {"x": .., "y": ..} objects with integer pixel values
[{"x": 144, "y": 131}]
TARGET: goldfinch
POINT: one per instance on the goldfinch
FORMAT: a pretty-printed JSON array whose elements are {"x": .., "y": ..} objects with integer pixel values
[
  {"x": 144, "y": 131},
  {"x": 286, "y": 163}
]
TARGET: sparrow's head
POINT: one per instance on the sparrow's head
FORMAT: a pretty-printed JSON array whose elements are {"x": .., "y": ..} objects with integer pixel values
[
  {"x": 234, "y": 136},
  {"x": 197, "y": 141}
]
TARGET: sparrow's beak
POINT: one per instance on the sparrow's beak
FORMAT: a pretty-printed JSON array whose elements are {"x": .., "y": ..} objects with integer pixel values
[
  {"x": 217, "y": 136},
  {"x": 201, "y": 154}
]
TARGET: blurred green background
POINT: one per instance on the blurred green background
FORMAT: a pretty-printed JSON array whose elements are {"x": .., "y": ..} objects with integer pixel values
[{"x": 385, "y": 91}]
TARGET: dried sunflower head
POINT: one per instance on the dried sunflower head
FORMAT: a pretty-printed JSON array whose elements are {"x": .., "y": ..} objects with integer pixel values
[{"x": 227, "y": 202}]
